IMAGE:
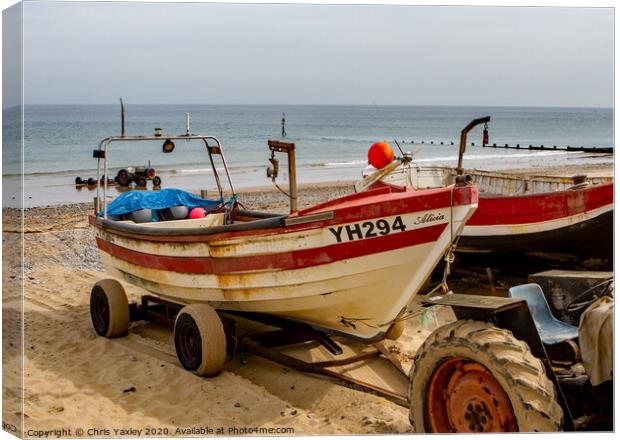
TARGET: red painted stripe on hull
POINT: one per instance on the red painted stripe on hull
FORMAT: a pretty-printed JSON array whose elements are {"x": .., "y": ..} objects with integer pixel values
[
  {"x": 536, "y": 208},
  {"x": 281, "y": 261}
]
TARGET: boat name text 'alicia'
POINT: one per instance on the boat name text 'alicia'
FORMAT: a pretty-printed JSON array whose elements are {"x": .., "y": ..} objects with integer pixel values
[{"x": 428, "y": 217}]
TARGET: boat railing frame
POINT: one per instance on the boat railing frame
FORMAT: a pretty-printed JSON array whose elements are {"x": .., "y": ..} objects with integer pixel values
[{"x": 102, "y": 155}]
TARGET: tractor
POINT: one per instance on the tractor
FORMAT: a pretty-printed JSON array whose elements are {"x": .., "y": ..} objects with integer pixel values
[{"x": 139, "y": 175}]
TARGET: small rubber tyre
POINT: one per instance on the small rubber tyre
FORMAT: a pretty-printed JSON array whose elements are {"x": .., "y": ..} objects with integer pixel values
[
  {"x": 109, "y": 309},
  {"x": 79, "y": 181},
  {"x": 122, "y": 178},
  {"x": 470, "y": 376},
  {"x": 200, "y": 340},
  {"x": 156, "y": 181},
  {"x": 141, "y": 182},
  {"x": 396, "y": 330},
  {"x": 91, "y": 181}
]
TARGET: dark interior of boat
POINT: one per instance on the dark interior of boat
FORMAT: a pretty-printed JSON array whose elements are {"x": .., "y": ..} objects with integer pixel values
[{"x": 214, "y": 222}]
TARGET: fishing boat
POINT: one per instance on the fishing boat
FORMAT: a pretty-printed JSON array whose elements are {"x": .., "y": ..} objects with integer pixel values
[
  {"x": 519, "y": 213},
  {"x": 349, "y": 266}
]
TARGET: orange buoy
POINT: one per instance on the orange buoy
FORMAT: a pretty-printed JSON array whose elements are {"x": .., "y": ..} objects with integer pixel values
[
  {"x": 380, "y": 155},
  {"x": 197, "y": 213}
]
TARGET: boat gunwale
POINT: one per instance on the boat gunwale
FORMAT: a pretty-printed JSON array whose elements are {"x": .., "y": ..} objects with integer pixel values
[
  {"x": 342, "y": 213},
  {"x": 137, "y": 229},
  {"x": 549, "y": 194},
  {"x": 601, "y": 180}
]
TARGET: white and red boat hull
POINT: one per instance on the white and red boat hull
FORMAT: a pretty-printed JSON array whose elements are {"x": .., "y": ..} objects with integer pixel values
[
  {"x": 527, "y": 213},
  {"x": 352, "y": 273},
  {"x": 578, "y": 219}
]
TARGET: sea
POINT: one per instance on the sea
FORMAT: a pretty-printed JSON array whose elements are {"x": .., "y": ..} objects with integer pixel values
[{"x": 331, "y": 141}]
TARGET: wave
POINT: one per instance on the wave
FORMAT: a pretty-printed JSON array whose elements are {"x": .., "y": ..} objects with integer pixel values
[
  {"x": 358, "y": 162},
  {"x": 494, "y": 156},
  {"x": 219, "y": 169},
  {"x": 193, "y": 171},
  {"x": 186, "y": 168},
  {"x": 341, "y": 164}
]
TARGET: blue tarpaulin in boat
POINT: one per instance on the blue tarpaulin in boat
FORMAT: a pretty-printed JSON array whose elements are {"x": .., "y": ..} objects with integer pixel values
[{"x": 166, "y": 198}]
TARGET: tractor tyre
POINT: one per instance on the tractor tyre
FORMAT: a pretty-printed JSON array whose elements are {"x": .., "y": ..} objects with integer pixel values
[
  {"x": 470, "y": 376},
  {"x": 122, "y": 178}
]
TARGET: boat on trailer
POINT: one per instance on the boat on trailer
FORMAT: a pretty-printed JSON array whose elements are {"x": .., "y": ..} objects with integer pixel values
[
  {"x": 349, "y": 266},
  {"x": 520, "y": 213}
]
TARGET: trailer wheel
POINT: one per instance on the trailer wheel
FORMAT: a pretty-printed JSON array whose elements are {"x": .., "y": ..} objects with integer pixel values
[
  {"x": 109, "y": 309},
  {"x": 470, "y": 376},
  {"x": 199, "y": 340}
]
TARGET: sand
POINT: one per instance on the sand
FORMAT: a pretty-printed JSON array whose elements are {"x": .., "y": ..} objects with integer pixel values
[{"x": 74, "y": 379}]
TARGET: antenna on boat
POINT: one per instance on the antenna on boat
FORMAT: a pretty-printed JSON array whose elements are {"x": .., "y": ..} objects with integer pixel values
[
  {"x": 399, "y": 149},
  {"x": 122, "y": 118},
  {"x": 406, "y": 157}
]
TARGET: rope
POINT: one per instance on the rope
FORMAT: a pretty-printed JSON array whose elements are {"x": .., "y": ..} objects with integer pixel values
[
  {"x": 404, "y": 315},
  {"x": 449, "y": 255},
  {"x": 281, "y": 190},
  {"x": 449, "y": 259}
]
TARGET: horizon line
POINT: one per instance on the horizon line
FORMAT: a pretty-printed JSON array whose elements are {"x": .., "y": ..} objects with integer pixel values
[{"x": 316, "y": 105}]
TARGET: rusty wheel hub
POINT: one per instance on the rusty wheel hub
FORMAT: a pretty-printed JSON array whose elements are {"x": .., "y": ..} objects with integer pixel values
[{"x": 463, "y": 396}]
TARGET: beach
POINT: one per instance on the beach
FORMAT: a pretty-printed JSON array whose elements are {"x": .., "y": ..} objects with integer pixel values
[{"x": 74, "y": 379}]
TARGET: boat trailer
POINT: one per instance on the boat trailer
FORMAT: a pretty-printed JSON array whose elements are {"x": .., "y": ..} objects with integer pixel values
[
  {"x": 509, "y": 313},
  {"x": 270, "y": 344}
]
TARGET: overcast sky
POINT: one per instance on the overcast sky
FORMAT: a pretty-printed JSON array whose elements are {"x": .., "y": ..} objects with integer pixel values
[{"x": 313, "y": 54}]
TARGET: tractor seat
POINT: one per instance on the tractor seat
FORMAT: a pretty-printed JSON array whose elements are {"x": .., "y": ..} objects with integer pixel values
[{"x": 552, "y": 331}]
